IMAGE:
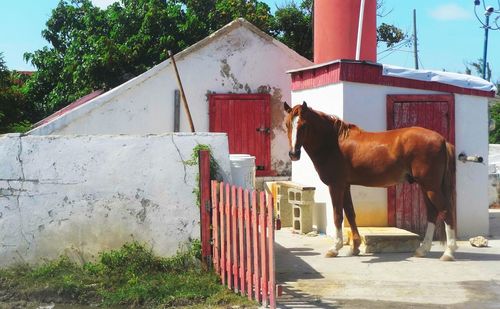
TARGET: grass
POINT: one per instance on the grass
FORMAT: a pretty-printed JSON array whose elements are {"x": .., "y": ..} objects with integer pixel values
[{"x": 131, "y": 276}]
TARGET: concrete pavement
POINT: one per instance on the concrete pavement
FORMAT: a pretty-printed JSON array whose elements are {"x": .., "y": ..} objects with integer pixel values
[{"x": 388, "y": 280}]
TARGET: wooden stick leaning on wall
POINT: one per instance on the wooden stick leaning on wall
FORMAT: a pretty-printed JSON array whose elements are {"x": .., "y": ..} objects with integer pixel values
[{"x": 183, "y": 95}]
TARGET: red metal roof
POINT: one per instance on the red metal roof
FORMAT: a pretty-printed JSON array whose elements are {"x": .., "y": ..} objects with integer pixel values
[
  {"x": 69, "y": 107},
  {"x": 367, "y": 73}
]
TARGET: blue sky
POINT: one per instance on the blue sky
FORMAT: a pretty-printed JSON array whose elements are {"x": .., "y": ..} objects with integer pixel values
[{"x": 449, "y": 33}]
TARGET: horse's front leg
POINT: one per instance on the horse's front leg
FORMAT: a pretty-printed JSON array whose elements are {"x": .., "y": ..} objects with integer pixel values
[
  {"x": 337, "y": 196},
  {"x": 351, "y": 217}
]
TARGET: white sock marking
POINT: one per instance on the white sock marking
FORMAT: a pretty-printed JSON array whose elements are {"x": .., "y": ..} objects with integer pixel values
[
  {"x": 339, "y": 239},
  {"x": 451, "y": 242},
  {"x": 429, "y": 233}
]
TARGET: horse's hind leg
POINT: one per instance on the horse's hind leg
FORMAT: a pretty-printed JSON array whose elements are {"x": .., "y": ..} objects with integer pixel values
[
  {"x": 351, "y": 217},
  {"x": 337, "y": 196},
  {"x": 442, "y": 206},
  {"x": 451, "y": 242},
  {"x": 425, "y": 247}
]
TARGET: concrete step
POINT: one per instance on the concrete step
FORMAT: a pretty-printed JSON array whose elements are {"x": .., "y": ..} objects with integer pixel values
[{"x": 386, "y": 240}]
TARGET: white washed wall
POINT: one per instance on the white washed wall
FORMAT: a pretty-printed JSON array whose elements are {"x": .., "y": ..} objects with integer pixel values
[
  {"x": 471, "y": 137},
  {"x": 239, "y": 61},
  {"x": 365, "y": 106},
  {"x": 79, "y": 195}
]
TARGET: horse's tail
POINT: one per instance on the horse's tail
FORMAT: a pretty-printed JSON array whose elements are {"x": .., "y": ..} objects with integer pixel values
[{"x": 448, "y": 187}]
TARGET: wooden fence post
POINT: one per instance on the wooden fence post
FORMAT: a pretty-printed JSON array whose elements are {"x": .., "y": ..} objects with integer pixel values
[{"x": 205, "y": 208}]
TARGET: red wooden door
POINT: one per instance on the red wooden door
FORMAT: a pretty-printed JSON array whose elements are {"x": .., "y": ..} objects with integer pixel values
[
  {"x": 246, "y": 119},
  {"x": 406, "y": 206}
]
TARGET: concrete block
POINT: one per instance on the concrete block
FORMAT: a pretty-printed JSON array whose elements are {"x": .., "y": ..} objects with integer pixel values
[
  {"x": 299, "y": 196},
  {"x": 284, "y": 211},
  {"x": 302, "y": 218},
  {"x": 386, "y": 240}
]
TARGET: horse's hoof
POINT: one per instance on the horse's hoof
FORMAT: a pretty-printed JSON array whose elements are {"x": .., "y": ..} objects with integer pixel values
[
  {"x": 420, "y": 253},
  {"x": 355, "y": 251},
  {"x": 447, "y": 258},
  {"x": 331, "y": 253}
]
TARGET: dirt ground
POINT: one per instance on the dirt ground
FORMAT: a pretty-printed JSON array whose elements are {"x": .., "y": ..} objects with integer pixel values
[{"x": 389, "y": 280}]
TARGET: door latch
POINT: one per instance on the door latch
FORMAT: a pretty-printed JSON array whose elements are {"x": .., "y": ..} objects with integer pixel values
[{"x": 264, "y": 130}]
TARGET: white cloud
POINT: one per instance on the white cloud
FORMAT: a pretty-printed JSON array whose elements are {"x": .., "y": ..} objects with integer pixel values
[
  {"x": 103, "y": 3},
  {"x": 450, "y": 11}
]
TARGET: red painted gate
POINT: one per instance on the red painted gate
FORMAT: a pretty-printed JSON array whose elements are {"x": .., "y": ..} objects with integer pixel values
[
  {"x": 238, "y": 237},
  {"x": 406, "y": 206},
  {"x": 246, "y": 119}
]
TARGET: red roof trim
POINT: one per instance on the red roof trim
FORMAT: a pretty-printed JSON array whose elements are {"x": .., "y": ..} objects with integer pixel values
[
  {"x": 368, "y": 73},
  {"x": 69, "y": 107}
]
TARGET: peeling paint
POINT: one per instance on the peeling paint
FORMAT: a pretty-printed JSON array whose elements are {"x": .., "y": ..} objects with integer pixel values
[{"x": 225, "y": 72}]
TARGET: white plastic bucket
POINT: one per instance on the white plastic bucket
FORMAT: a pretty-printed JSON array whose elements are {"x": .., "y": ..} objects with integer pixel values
[{"x": 243, "y": 170}]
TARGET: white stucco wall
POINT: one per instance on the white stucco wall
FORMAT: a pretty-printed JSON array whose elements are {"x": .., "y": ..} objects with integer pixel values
[
  {"x": 471, "y": 137},
  {"x": 238, "y": 60},
  {"x": 79, "y": 195},
  {"x": 365, "y": 106}
]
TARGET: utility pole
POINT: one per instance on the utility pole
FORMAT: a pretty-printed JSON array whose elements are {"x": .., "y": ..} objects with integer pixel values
[
  {"x": 488, "y": 11},
  {"x": 415, "y": 49},
  {"x": 485, "y": 48}
]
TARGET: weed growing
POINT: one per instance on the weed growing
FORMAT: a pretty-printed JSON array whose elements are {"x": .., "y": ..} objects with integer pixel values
[{"x": 132, "y": 275}]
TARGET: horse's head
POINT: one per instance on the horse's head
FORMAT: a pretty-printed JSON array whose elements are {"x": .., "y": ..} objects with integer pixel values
[{"x": 296, "y": 124}]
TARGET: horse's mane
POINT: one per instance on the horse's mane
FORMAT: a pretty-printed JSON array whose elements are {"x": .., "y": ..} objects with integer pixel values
[{"x": 341, "y": 127}]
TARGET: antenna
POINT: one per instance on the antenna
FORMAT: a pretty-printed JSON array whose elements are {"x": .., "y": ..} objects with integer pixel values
[{"x": 415, "y": 49}]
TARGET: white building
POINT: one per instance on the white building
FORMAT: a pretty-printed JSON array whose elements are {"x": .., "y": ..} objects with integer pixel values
[
  {"x": 238, "y": 71},
  {"x": 377, "y": 98}
]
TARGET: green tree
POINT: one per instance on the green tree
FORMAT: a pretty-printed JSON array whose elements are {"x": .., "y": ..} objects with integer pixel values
[
  {"x": 90, "y": 48},
  {"x": 94, "y": 49},
  {"x": 292, "y": 24},
  {"x": 494, "y": 111},
  {"x": 478, "y": 68},
  {"x": 13, "y": 107}
]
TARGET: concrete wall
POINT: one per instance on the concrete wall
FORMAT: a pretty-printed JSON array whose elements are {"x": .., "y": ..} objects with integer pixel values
[
  {"x": 80, "y": 195},
  {"x": 365, "y": 106},
  {"x": 471, "y": 137},
  {"x": 237, "y": 60}
]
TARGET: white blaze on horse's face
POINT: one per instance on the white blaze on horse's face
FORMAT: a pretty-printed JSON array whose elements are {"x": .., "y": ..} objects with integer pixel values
[{"x": 295, "y": 124}]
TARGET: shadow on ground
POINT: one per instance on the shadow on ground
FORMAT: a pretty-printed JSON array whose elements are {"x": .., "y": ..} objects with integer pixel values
[{"x": 290, "y": 267}]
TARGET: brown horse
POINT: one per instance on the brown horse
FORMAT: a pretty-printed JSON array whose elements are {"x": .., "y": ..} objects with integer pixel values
[{"x": 345, "y": 155}]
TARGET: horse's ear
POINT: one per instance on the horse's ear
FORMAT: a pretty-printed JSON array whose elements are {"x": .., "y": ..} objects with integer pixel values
[
  {"x": 287, "y": 107},
  {"x": 304, "y": 105}
]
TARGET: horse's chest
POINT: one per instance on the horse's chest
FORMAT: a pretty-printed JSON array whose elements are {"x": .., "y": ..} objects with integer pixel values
[{"x": 328, "y": 171}]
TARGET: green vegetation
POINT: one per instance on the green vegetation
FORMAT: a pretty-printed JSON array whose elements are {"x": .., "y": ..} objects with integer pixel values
[
  {"x": 14, "y": 109},
  {"x": 494, "y": 111},
  {"x": 193, "y": 161},
  {"x": 131, "y": 276},
  {"x": 91, "y": 48}
]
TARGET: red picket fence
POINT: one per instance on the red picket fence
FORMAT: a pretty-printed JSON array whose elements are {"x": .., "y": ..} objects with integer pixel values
[{"x": 243, "y": 241}]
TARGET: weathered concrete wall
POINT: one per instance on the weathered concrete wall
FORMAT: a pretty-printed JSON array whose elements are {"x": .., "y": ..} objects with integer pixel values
[
  {"x": 80, "y": 195},
  {"x": 365, "y": 106},
  {"x": 239, "y": 58}
]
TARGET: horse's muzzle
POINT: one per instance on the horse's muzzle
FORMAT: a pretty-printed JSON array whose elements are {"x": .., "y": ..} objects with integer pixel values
[{"x": 294, "y": 155}]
